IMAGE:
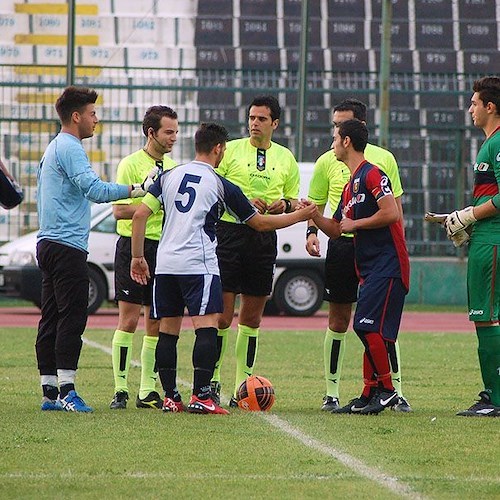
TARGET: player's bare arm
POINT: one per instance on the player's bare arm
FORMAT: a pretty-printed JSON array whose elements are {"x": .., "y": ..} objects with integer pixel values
[
  {"x": 261, "y": 222},
  {"x": 329, "y": 226},
  {"x": 139, "y": 270},
  {"x": 312, "y": 240},
  {"x": 124, "y": 211}
]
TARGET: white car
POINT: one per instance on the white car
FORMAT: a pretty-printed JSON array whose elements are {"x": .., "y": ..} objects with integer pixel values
[
  {"x": 298, "y": 281},
  {"x": 20, "y": 276}
]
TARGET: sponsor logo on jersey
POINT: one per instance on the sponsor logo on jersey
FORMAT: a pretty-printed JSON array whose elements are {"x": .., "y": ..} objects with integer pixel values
[
  {"x": 498, "y": 156},
  {"x": 359, "y": 198},
  {"x": 473, "y": 312},
  {"x": 481, "y": 167}
]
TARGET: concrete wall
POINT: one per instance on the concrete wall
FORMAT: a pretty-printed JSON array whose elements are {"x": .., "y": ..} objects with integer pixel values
[{"x": 439, "y": 281}]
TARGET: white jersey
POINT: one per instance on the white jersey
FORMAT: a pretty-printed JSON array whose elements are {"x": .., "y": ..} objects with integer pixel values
[{"x": 194, "y": 197}]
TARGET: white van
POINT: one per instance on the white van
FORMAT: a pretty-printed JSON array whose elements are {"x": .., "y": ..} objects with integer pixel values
[{"x": 298, "y": 282}]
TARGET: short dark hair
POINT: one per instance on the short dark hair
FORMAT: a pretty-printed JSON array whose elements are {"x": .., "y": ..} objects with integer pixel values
[
  {"x": 357, "y": 107},
  {"x": 74, "y": 99},
  {"x": 358, "y": 133},
  {"x": 270, "y": 102},
  {"x": 152, "y": 118},
  {"x": 488, "y": 89},
  {"x": 208, "y": 136}
]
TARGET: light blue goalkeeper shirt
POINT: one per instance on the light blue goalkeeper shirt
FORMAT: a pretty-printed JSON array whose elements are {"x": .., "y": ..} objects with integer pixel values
[{"x": 66, "y": 186}]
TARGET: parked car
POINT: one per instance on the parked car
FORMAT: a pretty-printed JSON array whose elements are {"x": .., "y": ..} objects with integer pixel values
[{"x": 298, "y": 281}]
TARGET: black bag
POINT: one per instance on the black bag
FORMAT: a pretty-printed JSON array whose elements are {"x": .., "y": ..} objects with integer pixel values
[{"x": 11, "y": 193}]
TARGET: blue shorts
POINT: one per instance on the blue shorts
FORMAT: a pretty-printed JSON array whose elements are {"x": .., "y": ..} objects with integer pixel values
[
  {"x": 201, "y": 294},
  {"x": 380, "y": 306}
]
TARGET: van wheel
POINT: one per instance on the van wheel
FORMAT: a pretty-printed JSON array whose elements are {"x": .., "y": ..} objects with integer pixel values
[
  {"x": 97, "y": 290},
  {"x": 299, "y": 292}
]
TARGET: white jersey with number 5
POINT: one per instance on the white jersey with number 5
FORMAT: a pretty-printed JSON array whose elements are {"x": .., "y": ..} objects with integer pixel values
[{"x": 194, "y": 197}]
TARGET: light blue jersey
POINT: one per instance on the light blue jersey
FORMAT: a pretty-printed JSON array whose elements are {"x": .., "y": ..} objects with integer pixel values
[
  {"x": 66, "y": 185},
  {"x": 194, "y": 197}
]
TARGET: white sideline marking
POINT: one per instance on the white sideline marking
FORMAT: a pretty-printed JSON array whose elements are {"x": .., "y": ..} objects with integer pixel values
[{"x": 391, "y": 483}]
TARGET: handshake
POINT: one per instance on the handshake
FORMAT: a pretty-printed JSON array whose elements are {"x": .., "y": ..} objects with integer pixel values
[
  {"x": 457, "y": 224},
  {"x": 140, "y": 190}
]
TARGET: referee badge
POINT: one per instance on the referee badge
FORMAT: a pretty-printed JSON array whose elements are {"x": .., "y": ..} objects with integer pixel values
[{"x": 261, "y": 159}]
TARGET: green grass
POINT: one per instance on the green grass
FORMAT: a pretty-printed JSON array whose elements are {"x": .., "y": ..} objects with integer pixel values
[{"x": 147, "y": 454}]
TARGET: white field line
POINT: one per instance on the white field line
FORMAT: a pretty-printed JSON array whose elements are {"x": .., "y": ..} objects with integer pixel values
[{"x": 391, "y": 483}]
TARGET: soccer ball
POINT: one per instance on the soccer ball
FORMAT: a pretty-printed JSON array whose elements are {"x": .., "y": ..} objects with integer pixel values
[{"x": 255, "y": 393}]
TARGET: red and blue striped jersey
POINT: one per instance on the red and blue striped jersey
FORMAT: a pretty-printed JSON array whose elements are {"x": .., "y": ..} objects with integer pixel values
[{"x": 380, "y": 251}]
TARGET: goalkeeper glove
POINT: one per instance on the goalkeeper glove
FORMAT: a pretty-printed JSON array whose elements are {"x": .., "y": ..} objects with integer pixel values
[
  {"x": 460, "y": 238},
  {"x": 458, "y": 220},
  {"x": 139, "y": 190}
]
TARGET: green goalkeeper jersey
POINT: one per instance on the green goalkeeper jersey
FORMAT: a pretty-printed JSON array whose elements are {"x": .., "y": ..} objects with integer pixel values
[
  {"x": 486, "y": 185},
  {"x": 269, "y": 174},
  {"x": 133, "y": 169}
]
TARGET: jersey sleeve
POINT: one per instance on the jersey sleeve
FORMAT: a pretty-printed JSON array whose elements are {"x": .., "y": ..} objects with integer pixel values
[
  {"x": 378, "y": 183},
  {"x": 391, "y": 168},
  {"x": 318, "y": 186},
  {"x": 292, "y": 184},
  {"x": 237, "y": 204}
]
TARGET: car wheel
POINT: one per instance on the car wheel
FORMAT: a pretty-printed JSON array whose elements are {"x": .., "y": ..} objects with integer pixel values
[
  {"x": 97, "y": 290},
  {"x": 299, "y": 292}
]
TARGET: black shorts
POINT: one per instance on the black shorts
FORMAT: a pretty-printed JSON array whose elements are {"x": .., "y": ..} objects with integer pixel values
[
  {"x": 341, "y": 280},
  {"x": 247, "y": 259},
  {"x": 126, "y": 289}
]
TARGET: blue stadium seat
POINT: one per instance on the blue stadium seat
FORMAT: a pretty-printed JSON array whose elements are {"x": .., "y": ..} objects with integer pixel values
[
  {"x": 403, "y": 118},
  {"x": 444, "y": 118},
  {"x": 315, "y": 59},
  {"x": 433, "y": 10},
  {"x": 471, "y": 9},
  {"x": 258, "y": 8},
  {"x": 481, "y": 61},
  {"x": 220, "y": 96},
  {"x": 401, "y": 60},
  {"x": 350, "y": 59},
  {"x": 318, "y": 118},
  {"x": 399, "y": 34},
  {"x": 410, "y": 174},
  {"x": 435, "y": 34},
  {"x": 293, "y": 8},
  {"x": 315, "y": 144},
  {"x": 215, "y": 57},
  {"x": 407, "y": 149},
  {"x": 293, "y": 28},
  {"x": 261, "y": 58},
  {"x": 343, "y": 32},
  {"x": 216, "y": 8},
  {"x": 399, "y": 9},
  {"x": 480, "y": 34},
  {"x": 338, "y": 95},
  {"x": 217, "y": 114},
  {"x": 212, "y": 31},
  {"x": 341, "y": 8},
  {"x": 258, "y": 32},
  {"x": 436, "y": 90},
  {"x": 437, "y": 61}
]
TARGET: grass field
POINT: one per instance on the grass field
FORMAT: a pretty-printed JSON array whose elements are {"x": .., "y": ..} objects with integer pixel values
[{"x": 295, "y": 451}]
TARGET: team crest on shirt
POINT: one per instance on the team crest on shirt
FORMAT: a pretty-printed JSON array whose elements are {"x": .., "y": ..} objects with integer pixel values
[
  {"x": 261, "y": 160},
  {"x": 355, "y": 185}
]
